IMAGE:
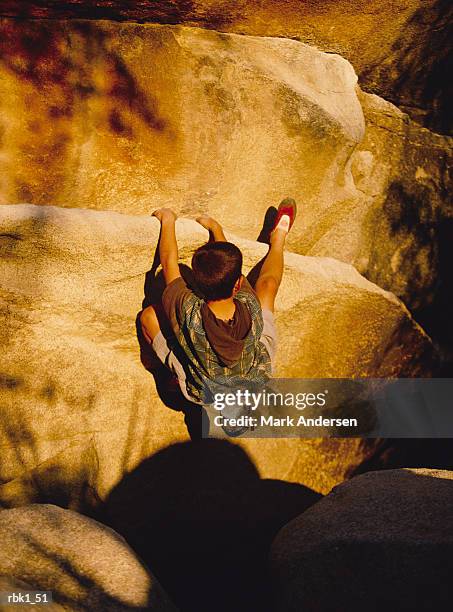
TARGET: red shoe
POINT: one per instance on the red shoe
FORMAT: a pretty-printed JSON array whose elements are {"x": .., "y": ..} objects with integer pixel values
[{"x": 287, "y": 207}]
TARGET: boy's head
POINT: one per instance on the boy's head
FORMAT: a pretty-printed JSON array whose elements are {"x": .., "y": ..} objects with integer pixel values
[{"x": 217, "y": 269}]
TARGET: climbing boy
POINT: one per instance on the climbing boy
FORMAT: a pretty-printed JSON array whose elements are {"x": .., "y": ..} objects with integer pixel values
[{"x": 224, "y": 329}]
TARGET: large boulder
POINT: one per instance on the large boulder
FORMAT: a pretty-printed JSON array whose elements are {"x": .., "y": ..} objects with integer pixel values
[
  {"x": 381, "y": 541},
  {"x": 129, "y": 117},
  {"x": 85, "y": 565},
  {"x": 126, "y": 117},
  {"x": 79, "y": 409},
  {"x": 400, "y": 50}
]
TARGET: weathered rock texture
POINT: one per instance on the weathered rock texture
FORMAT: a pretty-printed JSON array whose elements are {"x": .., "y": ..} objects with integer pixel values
[
  {"x": 381, "y": 541},
  {"x": 79, "y": 409},
  {"x": 401, "y": 49},
  {"x": 127, "y": 117},
  {"x": 86, "y": 565},
  {"x": 393, "y": 230},
  {"x": 130, "y": 117}
]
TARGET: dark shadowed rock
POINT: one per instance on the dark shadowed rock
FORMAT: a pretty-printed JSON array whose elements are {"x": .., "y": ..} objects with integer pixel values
[
  {"x": 199, "y": 514},
  {"x": 393, "y": 232},
  {"x": 86, "y": 565},
  {"x": 382, "y": 541}
]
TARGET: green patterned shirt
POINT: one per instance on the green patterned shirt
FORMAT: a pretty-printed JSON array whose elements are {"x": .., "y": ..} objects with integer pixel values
[{"x": 205, "y": 375}]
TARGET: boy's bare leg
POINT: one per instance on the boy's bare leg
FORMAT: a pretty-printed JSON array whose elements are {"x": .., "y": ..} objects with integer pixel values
[
  {"x": 271, "y": 272},
  {"x": 149, "y": 324}
]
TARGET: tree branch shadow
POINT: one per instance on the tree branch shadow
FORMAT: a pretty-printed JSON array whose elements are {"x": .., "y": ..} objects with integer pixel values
[{"x": 419, "y": 67}]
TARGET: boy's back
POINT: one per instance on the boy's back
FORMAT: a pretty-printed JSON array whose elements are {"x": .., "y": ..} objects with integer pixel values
[{"x": 217, "y": 351}]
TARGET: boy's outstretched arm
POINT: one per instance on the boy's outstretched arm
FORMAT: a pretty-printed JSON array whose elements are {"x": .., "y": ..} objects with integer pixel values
[
  {"x": 168, "y": 247},
  {"x": 214, "y": 228}
]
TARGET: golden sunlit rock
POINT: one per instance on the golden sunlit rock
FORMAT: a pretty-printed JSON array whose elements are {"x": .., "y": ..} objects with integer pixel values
[{"x": 79, "y": 410}]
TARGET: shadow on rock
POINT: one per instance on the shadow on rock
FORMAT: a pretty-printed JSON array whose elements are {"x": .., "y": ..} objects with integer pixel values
[
  {"x": 200, "y": 516},
  {"x": 415, "y": 76},
  {"x": 389, "y": 454},
  {"x": 84, "y": 564},
  {"x": 436, "y": 317},
  {"x": 39, "y": 53},
  {"x": 66, "y": 478},
  {"x": 414, "y": 222}
]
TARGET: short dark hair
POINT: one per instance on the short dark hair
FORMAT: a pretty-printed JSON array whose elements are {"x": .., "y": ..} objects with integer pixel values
[{"x": 216, "y": 268}]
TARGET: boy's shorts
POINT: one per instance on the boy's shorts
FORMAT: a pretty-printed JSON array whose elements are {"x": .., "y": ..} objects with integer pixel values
[{"x": 169, "y": 359}]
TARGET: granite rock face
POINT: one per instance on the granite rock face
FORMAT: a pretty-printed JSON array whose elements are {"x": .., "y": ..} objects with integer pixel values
[
  {"x": 130, "y": 117},
  {"x": 79, "y": 409},
  {"x": 380, "y": 541},
  {"x": 85, "y": 565},
  {"x": 396, "y": 231},
  {"x": 400, "y": 50},
  {"x": 126, "y": 117}
]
